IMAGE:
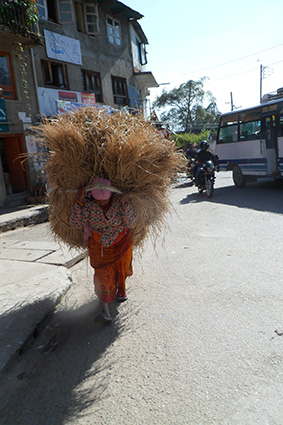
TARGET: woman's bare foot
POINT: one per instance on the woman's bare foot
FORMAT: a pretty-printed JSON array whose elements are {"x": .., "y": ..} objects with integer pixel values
[{"x": 105, "y": 311}]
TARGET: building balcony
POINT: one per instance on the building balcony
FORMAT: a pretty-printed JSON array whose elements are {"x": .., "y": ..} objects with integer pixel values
[{"x": 18, "y": 23}]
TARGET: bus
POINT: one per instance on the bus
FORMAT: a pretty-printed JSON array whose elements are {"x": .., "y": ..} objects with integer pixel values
[{"x": 250, "y": 142}]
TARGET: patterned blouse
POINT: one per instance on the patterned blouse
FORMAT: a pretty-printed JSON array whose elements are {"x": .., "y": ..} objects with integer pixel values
[{"x": 108, "y": 224}]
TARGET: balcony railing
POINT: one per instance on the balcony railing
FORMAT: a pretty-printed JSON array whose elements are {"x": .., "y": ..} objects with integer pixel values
[{"x": 20, "y": 16}]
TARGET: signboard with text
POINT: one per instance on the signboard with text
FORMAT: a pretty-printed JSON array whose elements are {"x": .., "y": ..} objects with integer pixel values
[
  {"x": 62, "y": 48},
  {"x": 88, "y": 98}
]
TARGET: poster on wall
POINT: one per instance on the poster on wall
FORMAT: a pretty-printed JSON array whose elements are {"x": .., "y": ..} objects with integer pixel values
[
  {"x": 48, "y": 97},
  {"x": 68, "y": 95},
  {"x": 53, "y": 102},
  {"x": 64, "y": 106},
  {"x": 62, "y": 48},
  {"x": 88, "y": 98}
]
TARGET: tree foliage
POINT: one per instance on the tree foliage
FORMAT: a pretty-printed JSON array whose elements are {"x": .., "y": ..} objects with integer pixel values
[
  {"x": 183, "y": 140},
  {"x": 184, "y": 109}
]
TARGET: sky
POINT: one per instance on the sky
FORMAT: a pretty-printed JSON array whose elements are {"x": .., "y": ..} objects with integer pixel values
[{"x": 225, "y": 41}]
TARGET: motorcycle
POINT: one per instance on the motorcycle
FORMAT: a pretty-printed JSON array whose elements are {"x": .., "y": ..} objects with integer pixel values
[
  {"x": 206, "y": 178},
  {"x": 191, "y": 168}
]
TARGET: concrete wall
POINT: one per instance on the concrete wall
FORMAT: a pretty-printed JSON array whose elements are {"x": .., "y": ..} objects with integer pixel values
[
  {"x": 98, "y": 55},
  {"x": 17, "y": 109},
  {"x": 20, "y": 104}
]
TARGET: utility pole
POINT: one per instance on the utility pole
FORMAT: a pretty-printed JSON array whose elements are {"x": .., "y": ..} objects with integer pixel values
[
  {"x": 260, "y": 82},
  {"x": 265, "y": 72},
  {"x": 231, "y": 102},
  {"x": 233, "y": 107}
]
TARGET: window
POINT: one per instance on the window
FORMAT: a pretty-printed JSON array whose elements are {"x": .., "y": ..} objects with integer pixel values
[
  {"x": 229, "y": 129},
  {"x": 269, "y": 124},
  {"x": 114, "y": 32},
  {"x": 65, "y": 11},
  {"x": 42, "y": 8},
  {"x": 92, "y": 84},
  {"x": 281, "y": 124},
  {"x": 250, "y": 130},
  {"x": 47, "y": 9},
  {"x": 141, "y": 52},
  {"x": 54, "y": 74},
  {"x": 87, "y": 18},
  {"x": 91, "y": 18},
  {"x": 228, "y": 134},
  {"x": 6, "y": 76},
  {"x": 120, "y": 93}
]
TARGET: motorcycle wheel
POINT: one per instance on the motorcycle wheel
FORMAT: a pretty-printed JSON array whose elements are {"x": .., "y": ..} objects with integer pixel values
[{"x": 209, "y": 188}]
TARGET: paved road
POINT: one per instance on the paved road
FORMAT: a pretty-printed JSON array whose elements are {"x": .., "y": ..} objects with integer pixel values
[{"x": 199, "y": 341}]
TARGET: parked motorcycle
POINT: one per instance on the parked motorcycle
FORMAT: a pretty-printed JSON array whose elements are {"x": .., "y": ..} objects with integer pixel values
[{"x": 206, "y": 178}]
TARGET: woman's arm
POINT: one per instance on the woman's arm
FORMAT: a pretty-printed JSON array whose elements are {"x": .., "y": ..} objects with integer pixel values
[
  {"x": 127, "y": 211},
  {"x": 80, "y": 212}
]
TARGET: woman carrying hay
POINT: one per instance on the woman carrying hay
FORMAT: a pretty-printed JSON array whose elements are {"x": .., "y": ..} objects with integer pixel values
[{"x": 107, "y": 219}]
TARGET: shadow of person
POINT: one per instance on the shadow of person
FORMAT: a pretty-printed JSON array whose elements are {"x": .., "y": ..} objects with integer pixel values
[{"x": 61, "y": 377}]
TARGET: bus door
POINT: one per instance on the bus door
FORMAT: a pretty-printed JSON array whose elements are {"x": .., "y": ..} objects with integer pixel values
[{"x": 271, "y": 144}]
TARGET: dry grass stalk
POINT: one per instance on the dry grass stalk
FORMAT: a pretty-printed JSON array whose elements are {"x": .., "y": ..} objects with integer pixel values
[{"x": 126, "y": 149}]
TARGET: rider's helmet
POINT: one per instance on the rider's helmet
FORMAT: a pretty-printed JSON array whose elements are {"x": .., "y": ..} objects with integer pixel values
[{"x": 204, "y": 145}]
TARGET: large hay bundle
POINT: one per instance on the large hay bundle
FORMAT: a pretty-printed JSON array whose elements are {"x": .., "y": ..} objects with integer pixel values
[{"x": 126, "y": 149}]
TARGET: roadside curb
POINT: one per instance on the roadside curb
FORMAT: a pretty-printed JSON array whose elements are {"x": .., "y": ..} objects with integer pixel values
[
  {"x": 36, "y": 314},
  {"x": 23, "y": 218}
]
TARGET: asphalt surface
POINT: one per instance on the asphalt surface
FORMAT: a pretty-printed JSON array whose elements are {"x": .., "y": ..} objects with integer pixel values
[{"x": 199, "y": 340}]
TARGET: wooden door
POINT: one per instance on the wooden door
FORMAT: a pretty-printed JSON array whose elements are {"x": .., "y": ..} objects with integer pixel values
[{"x": 17, "y": 168}]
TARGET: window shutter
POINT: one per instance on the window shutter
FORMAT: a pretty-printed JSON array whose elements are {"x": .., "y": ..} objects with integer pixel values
[{"x": 65, "y": 12}]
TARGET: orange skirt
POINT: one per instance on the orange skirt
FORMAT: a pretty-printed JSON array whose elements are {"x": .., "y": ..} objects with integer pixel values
[{"x": 112, "y": 265}]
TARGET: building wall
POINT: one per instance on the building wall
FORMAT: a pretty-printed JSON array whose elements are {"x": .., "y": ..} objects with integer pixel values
[
  {"x": 98, "y": 55},
  {"x": 14, "y": 171}
]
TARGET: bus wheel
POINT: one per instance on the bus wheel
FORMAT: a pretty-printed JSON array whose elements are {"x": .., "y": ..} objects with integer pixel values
[{"x": 238, "y": 178}]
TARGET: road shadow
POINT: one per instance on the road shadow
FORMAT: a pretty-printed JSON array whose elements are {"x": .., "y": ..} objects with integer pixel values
[
  {"x": 263, "y": 195},
  {"x": 46, "y": 386},
  {"x": 183, "y": 184},
  {"x": 12, "y": 209}
]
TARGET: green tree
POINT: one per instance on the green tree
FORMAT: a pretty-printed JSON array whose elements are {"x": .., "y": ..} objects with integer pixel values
[{"x": 184, "y": 107}]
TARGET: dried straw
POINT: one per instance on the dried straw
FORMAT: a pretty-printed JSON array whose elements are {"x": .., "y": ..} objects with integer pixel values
[{"x": 126, "y": 149}]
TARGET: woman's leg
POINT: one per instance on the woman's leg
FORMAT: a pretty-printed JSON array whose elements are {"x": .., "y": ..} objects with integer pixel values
[
  {"x": 104, "y": 284},
  {"x": 105, "y": 311},
  {"x": 123, "y": 270},
  {"x": 105, "y": 290},
  {"x": 104, "y": 306}
]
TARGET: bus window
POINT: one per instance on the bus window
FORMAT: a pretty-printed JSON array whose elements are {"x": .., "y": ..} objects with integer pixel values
[
  {"x": 247, "y": 116},
  {"x": 270, "y": 130},
  {"x": 281, "y": 125},
  {"x": 228, "y": 134},
  {"x": 250, "y": 130},
  {"x": 229, "y": 119}
]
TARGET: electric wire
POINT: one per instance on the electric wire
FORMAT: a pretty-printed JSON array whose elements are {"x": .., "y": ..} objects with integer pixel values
[{"x": 234, "y": 60}]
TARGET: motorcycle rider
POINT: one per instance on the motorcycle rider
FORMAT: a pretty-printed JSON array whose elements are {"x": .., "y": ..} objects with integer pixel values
[
  {"x": 191, "y": 155},
  {"x": 204, "y": 155},
  {"x": 191, "y": 152}
]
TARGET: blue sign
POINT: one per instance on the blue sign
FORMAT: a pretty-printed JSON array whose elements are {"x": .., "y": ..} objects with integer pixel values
[{"x": 4, "y": 126}]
